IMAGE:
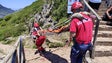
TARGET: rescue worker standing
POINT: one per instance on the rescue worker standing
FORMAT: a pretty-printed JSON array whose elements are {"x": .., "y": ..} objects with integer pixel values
[{"x": 81, "y": 29}]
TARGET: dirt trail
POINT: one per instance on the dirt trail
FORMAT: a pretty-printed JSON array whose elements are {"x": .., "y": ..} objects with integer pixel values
[
  {"x": 4, "y": 50},
  {"x": 58, "y": 55},
  {"x": 55, "y": 55}
]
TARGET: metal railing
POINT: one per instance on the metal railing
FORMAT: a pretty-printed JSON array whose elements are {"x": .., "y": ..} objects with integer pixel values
[
  {"x": 96, "y": 27},
  {"x": 16, "y": 55}
]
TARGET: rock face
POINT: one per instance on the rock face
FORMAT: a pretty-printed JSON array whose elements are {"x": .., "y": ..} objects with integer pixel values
[
  {"x": 5, "y": 11},
  {"x": 43, "y": 17}
]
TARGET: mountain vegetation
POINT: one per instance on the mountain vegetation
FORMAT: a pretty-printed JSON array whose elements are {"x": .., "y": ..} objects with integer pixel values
[
  {"x": 16, "y": 23},
  {"x": 59, "y": 11}
]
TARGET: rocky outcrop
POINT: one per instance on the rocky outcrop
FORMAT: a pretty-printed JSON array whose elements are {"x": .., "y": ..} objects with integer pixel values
[{"x": 44, "y": 17}]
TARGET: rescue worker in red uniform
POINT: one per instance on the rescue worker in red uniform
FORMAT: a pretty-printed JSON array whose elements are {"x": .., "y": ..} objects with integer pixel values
[
  {"x": 39, "y": 42},
  {"x": 39, "y": 38},
  {"x": 81, "y": 28}
]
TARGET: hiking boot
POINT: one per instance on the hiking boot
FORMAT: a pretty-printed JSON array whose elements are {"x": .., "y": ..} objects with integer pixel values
[
  {"x": 43, "y": 51},
  {"x": 36, "y": 52}
]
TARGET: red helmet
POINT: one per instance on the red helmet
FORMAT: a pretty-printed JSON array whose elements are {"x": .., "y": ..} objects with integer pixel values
[
  {"x": 76, "y": 5},
  {"x": 36, "y": 25}
]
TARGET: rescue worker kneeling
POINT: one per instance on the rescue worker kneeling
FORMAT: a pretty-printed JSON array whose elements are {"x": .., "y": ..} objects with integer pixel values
[{"x": 39, "y": 41}]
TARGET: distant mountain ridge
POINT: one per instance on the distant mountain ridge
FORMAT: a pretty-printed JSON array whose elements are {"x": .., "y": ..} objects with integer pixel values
[{"x": 5, "y": 11}]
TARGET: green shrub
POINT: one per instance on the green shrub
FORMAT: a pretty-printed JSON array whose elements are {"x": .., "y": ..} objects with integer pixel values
[
  {"x": 34, "y": 47},
  {"x": 11, "y": 31},
  {"x": 7, "y": 41},
  {"x": 59, "y": 10},
  {"x": 1, "y": 19},
  {"x": 54, "y": 44},
  {"x": 6, "y": 18},
  {"x": 3, "y": 23},
  {"x": 47, "y": 26}
]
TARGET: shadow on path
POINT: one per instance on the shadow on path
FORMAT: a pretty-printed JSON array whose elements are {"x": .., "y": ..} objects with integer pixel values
[{"x": 54, "y": 58}]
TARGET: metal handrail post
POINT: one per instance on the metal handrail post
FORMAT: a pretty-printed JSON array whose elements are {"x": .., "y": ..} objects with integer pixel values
[{"x": 96, "y": 28}]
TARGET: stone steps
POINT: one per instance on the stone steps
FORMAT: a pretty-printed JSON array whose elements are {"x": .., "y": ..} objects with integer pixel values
[
  {"x": 104, "y": 41},
  {"x": 102, "y": 48},
  {"x": 105, "y": 28},
  {"x": 104, "y": 34},
  {"x": 102, "y": 22},
  {"x": 103, "y": 53},
  {"x": 103, "y": 59}
]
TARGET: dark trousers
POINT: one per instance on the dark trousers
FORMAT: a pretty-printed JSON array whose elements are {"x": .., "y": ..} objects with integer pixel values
[{"x": 78, "y": 51}]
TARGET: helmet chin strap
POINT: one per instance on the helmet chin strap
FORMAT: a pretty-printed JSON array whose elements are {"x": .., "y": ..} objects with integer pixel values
[{"x": 78, "y": 10}]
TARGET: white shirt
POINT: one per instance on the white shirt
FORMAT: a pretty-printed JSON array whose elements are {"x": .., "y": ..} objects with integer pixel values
[{"x": 95, "y": 1}]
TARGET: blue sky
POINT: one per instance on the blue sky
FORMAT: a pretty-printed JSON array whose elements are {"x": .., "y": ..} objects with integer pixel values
[{"x": 16, "y": 4}]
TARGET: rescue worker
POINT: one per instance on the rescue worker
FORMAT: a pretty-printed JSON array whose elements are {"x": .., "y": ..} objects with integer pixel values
[
  {"x": 81, "y": 28},
  {"x": 34, "y": 31},
  {"x": 39, "y": 37},
  {"x": 39, "y": 42}
]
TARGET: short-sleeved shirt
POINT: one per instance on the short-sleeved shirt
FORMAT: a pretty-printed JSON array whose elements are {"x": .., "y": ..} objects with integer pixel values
[{"x": 83, "y": 29}]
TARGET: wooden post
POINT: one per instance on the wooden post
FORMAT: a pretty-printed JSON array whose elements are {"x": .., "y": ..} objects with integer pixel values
[
  {"x": 14, "y": 57},
  {"x": 21, "y": 52}
]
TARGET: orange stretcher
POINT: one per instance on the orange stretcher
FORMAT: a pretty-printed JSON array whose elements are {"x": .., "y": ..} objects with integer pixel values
[{"x": 60, "y": 29}]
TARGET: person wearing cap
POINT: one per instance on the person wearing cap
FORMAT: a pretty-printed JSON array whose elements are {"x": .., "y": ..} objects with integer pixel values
[{"x": 81, "y": 28}]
